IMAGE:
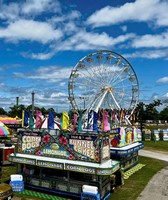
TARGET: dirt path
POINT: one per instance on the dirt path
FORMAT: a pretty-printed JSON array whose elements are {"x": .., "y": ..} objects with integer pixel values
[
  {"x": 157, "y": 188},
  {"x": 153, "y": 154}
]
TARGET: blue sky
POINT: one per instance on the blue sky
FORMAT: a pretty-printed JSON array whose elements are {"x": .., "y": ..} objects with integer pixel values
[{"x": 42, "y": 40}]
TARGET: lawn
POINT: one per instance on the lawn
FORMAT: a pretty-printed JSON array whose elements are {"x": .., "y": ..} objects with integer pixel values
[
  {"x": 136, "y": 183},
  {"x": 156, "y": 146}
]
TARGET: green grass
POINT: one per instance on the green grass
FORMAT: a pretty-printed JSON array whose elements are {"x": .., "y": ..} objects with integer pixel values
[
  {"x": 6, "y": 172},
  {"x": 136, "y": 183},
  {"x": 156, "y": 126},
  {"x": 156, "y": 146}
]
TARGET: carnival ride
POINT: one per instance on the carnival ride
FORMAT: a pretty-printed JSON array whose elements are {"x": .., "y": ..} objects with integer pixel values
[{"x": 106, "y": 80}]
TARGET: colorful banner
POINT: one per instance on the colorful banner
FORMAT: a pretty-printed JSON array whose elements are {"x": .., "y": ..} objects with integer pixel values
[
  {"x": 122, "y": 136},
  {"x": 85, "y": 147},
  {"x": 65, "y": 121}
]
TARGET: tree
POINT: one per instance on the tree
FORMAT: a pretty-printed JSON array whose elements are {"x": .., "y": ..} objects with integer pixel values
[
  {"x": 164, "y": 114},
  {"x": 151, "y": 112},
  {"x": 16, "y": 111},
  {"x": 2, "y": 111},
  {"x": 140, "y": 111}
]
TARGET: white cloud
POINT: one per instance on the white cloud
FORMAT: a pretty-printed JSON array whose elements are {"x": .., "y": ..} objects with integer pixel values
[
  {"x": 89, "y": 40},
  {"x": 163, "y": 80},
  {"x": 124, "y": 28},
  {"x": 34, "y": 7},
  {"x": 165, "y": 95},
  {"x": 9, "y": 12},
  {"x": 39, "y": 56},
  {"x": 30, "y": 30},
  {"x": 140, "y": 11},
  {"x": 156, "y": 41},
  {"x": 13, "y": 11},
  {"x": 148, "y": 54},
  {"x": 58, "y": 94},
  {"x": 83, "y": 40},
  {"x": 48, "y": 74}
]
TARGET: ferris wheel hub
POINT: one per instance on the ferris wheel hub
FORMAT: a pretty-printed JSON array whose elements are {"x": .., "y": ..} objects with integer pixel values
[{"x": 109, "y": 89}]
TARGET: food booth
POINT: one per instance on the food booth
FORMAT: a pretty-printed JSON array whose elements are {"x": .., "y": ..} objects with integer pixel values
[
  {"x": 63, "y": 163},
  {"x": 124, "y": 146}
]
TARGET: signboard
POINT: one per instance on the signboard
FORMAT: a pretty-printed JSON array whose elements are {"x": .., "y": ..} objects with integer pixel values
[
  {"x": 97, "y": 170},
  {"x": 22, "y": 160},
  {"x": 50, "y": 164},
  {"x": 77, "y": 168},
  {"x": 122, "y": 136},
  {"x": 15, "y": 126},
  {"x": 85, "y": 147}
]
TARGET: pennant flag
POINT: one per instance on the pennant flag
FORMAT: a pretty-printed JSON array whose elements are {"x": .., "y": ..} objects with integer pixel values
[
  {"x": 74, "y": 121},
  {"x": 95, "y": 121},
  {"x": 89, "y": 119},
  {"x": 137, "y": 115},
  {"x": 65, "y": 121},
  {"x": 121, "y": 115},
  {"x": 51, "y": 120},
  {"x": 31, "y": 121},
  {"x": 111, "y": 120},
  {"x": 25, "y": 118},
  {"x": 106, "y": 124},
  {"x": 113, "y": 115},
  {"x": 38, "y": 119},
  {"x": 80, "y": 121}
]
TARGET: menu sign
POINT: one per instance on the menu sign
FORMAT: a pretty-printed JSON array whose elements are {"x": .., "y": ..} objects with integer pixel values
[{"x": 83, "y": 146}]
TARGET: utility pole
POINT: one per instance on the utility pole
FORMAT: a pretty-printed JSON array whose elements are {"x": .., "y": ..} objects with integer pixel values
[
  {"x": 17, "y": 101},
  {"x": 33, "y": 93}
]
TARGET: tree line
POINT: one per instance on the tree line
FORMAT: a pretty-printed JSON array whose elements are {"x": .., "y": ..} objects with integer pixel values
[{"x": 143, "y": 111}]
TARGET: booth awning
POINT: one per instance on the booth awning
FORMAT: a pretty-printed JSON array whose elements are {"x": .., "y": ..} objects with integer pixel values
[{"x": 4, "y": 131}]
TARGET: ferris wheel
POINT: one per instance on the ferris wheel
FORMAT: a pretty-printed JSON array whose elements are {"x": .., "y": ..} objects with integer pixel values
[{"x": 106, "y": 80}]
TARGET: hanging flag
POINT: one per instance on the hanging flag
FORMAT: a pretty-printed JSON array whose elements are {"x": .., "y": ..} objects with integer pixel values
[
  {"x": 95, "y": 121},
  {"x": 25, "y": 118},
  {"x": 111, "y": 120},
  {"x": 75, "y": 117},
  {"x": 31, "y": 121},
  {"x": 113, "y": 115},
  {"x": 137, "y": 115},
  {"x": 106, "y": 124},
  {"x": 65, "y": 121},
  {"x": 89, "y": 120},
  {"x": 38, "y": 119},
  {"x": 80, "y": 121},
  {"x": 51, "y": 120},
  {"x": 121, "y": 115}
]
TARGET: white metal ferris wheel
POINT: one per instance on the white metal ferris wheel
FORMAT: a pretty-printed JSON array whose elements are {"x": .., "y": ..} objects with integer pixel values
[{"x": 103, "y": 79}]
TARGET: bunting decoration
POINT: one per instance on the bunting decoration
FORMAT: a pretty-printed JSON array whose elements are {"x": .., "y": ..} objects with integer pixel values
[
  {"x": 31, "y": 121},
  {"x": 38, "y": 119},
  {"x": 75, "y": 117},
  {"x": 89, "y": 120},
  {"x": 106, "y": 124},
  {"x": 65, "y": 121},
  {"x": 95, "y": 121},
  {"x": 25, "y": 118},
  {"x": 80, "y": 121},
  {"x": 51, "y": 120}
]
